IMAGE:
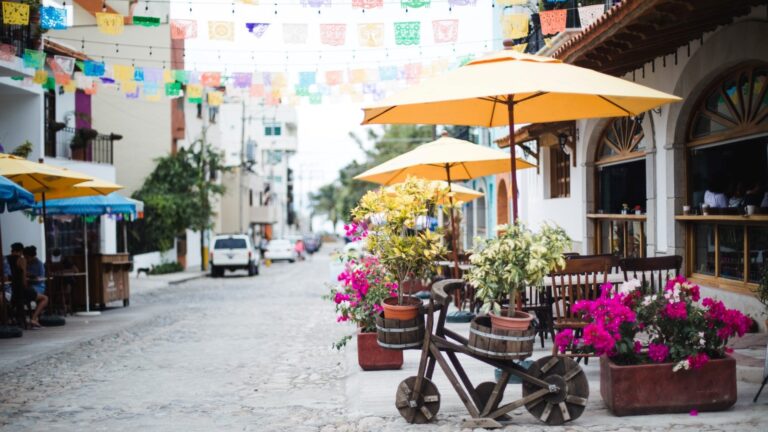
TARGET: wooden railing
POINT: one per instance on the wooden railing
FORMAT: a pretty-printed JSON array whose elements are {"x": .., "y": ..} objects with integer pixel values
[{"x": 619, "y": 234}]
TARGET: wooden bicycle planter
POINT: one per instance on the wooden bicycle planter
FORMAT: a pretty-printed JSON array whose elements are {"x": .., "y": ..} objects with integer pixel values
[
  {"x": 400, "y": 334},
  {"x": 555, "y": 389},
  {"x": 499, "y": 343}
]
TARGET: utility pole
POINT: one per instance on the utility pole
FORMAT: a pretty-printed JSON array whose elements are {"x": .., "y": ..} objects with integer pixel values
[{"x": 240, "y": 170}]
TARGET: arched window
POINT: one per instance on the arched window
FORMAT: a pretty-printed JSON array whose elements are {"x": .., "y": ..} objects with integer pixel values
[
  {"x": 502, "y": 204},
  {"x": 736, "y": 105},
  {"x": 621, "y": 195},
  {"x": 727, "y": 176}
]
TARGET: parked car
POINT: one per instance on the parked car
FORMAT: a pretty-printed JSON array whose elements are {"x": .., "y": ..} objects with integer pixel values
[
  {"x": 233, "y": 252},
  {"x": 312, "y": 244},
  {"x": 281, "y": 250}
]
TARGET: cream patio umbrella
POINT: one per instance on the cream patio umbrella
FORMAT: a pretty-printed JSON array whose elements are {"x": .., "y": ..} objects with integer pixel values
[
  {"x": 507, "y": 87},
  {"x": 456, "y": 192}
]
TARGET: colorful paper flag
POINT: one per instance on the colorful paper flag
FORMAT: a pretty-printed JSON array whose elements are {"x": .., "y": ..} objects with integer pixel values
[
  {"x": 257, "y": 29},
  {"x": 294, "y": 33},
  {"x": 371, "y": 34},
  {"x": 590, "y": 14},
  {"x": 215, "y": 98},
  {"x": 307, "y": 78},
  {"x": 412, "y": 71},
  {"x": 168, "y": 76},
  {"x": 513, "y": 2},
  {"x": 15, "y": 13},
  {"x": 315, "y": 98},
  {"x": 110, "y": 23},
  {"x": 40, "y": 77},
  {"x": 153, "y": 74},
  {"x": 414, "y": 3},
  {"x": 388, "y": 73},
  {"x": 552, "y": 21},
  {"x": 146, "y": 21},
  {"x": 250, "y": 2},
  {"x": 242, "y": 79},
  {"x": 53, "y": 18},
  {"x": 514, "y": 26},
  {"x": 183, "y": 29},
  {"x": 445, "y": 31},
  {"x": 221, "y": 30},
  {"x": 194, "y": 91},
  {"x": 408, "y": 33},
  {"x": 7, "y": 52},
  {"x": 70, "y": 86},
  {"x": 34, "y": 59},
  {"x": 257, "y": 90},
  {"x": 93, "y": 69},
  {"x": 64, "y": 64},
  {"x": 462, "y": 2},
  {"x": 333, "y": 34},
  {"x": 180, "y": 76},
  {"x": 122, "y": 72},
  {"x": 334, "y": 77},
  {"x": 129, "y": 87},
  {"x": 138, "y": 74},
  {"x": 367, "y": 4},
  {"x": 301, "y": 90},
  {"x": 315, "y": 3},
  {"x": 210, "y": 79},
  {"x": 357, "y": 76},
  {"x": 151, "y": 88}
]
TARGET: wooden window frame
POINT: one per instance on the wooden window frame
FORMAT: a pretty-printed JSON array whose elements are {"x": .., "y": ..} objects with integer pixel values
[{"x": 559, "y": 173}]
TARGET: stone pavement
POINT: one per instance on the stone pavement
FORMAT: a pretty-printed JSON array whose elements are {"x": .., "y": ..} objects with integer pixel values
[{"x": 247, "y": 354}]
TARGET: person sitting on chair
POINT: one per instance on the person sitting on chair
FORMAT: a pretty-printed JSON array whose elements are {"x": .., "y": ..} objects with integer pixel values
[
  {"x": 36, "y": 277},
  {"x": 21, "y": 293}
]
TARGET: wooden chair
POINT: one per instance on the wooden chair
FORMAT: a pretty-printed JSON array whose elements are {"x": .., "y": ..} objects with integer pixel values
[
  {"x": 615, "y": 261},
  {"x": 538, "y": 301},
  {"x": 580, "y": 279},
  {"x": 652, "y": 272}
]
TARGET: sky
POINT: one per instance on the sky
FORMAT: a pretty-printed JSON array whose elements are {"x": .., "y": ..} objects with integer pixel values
[{"x": 324, "y": 142}]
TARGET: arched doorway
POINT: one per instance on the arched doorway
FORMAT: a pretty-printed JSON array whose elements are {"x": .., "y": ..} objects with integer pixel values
[
  {"x": 620, "y": 186},
  {"x": 727, "y": 180},
  {"x": 502, "y": 204}
]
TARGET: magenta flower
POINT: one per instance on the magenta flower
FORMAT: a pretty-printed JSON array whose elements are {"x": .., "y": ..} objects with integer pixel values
[
  {"x": 638, "y": 347},
  {"x": 676, "y": 311},
  {"x": 698, "y": 360},
  {"x": 563, "y": 340},
  {"x": 658, "y": 352}
]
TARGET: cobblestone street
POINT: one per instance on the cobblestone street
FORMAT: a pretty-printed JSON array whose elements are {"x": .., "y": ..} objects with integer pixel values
[{"x": 253, "y": 354}]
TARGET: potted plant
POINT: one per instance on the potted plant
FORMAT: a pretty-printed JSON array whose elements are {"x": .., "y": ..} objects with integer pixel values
[
  {"x": 503, "y": 266},
  {"x": 399, "y": 237},
  {"x": 361, "y": 287},
  {"x": 624, "y": 208},
  {"x": 660, "y": 353},
  {"x": 638, "y": 210},
  {"x": 761, "y": 292}
]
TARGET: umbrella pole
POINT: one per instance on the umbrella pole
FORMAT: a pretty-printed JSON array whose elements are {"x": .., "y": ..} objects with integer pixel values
[
  {"x": 88, "y": 311},
  {"x": 457, "y": 297},
  {"x": 3, "y": 305},
  {"x": 512, "y": 159}
]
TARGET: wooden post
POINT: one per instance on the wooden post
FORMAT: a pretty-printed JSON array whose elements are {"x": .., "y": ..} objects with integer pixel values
[{"x": 512, "y": 159}]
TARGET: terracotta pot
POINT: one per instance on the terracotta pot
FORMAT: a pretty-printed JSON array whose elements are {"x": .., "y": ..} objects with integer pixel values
[
  {"x": 655, "y": 389},
  {"x": 407, "y": 311},
  {"x": 370, "y": 356},
  {"x": 520, "y": 321}
]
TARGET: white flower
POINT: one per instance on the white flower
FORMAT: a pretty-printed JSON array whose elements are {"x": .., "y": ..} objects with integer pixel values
[
  {"x": 629, "y": 286},
  {"x": 681, "y": 365}
]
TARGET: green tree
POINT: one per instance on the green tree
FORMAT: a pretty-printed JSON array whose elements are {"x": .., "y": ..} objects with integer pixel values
[{"x": 177, "y": 196}]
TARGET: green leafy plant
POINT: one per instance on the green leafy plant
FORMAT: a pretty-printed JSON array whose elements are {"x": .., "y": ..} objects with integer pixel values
[
  {"x": 504, "y": 265},
  {"x": 397, "y": 230},
  {"x": 165, "y": 268},
  {"x": 761, "y": 292},
  {"x": 23, "y": 150}
]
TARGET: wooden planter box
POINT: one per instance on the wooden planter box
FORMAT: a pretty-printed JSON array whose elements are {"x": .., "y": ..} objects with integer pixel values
[
  {"x": 655, "y": 389},
  {"x": 370, "y": 356}
]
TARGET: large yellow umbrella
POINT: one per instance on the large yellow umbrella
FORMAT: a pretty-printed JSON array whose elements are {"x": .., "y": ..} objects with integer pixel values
[
  {"x": 443, "y": 159},
  {"x": 88, "y": 188},
  {"x": 507, "y": 87},
  {"x": 38, "y": 178}
]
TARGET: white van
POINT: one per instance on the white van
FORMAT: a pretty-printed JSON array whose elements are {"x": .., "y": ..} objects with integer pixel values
[{"x": 233, "y": 252}]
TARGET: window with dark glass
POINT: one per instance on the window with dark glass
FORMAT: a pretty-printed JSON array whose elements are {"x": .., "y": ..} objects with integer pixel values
[{"x": 560, "y": 173}]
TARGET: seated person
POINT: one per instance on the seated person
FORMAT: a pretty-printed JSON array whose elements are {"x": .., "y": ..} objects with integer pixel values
[
  {"x": 21, "y": 291},
  {"x": 737, "y": 196},
  {"x": 755, "y": 196},
  {"x": 714, "y": 197},
  {"x": 36, "y": 278},
  {"x": 65, "y": 265}
]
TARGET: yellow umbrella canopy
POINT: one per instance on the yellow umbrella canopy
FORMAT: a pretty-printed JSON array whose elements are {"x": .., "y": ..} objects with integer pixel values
[
  {"x": 38, "y": 177},
  {"x": 444, "y": 159},
  {"x": 542, "y": 89},
  {"x": 533, "y": 89},
  {"x": 88, "y": 188},
  {"x": 458, "y": 192}
]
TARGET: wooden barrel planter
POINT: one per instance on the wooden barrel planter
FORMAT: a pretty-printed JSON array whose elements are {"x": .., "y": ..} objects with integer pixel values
[
  {"x": 499, "y": 343},
  {"x": 400, "y": 334}
]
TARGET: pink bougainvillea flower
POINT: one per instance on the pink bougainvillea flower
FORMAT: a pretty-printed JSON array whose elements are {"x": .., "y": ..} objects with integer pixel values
[
  {"x": 694, "y": 412},
  {"x": 698, "y": 360},
  {"x": 638, "y": 347},
  {"x": 676, "y": 310},
  {"x": 658, "y": 352},
  {"x": 563, "y": 340}
]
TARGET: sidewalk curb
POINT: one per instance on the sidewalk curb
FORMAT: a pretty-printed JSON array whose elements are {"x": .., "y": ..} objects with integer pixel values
[{"x": 187, "y": 279}]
